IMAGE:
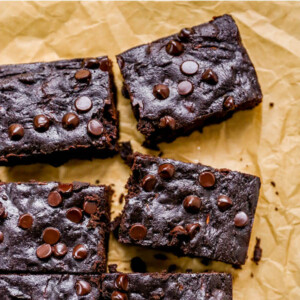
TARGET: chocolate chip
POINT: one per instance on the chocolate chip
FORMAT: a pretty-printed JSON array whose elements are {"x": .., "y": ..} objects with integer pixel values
[
  {"x": 120, "y": 62},
  {"x": 90, "y": 207},
  {"x": 83, "y": 75},
  {"x": 122, "y": 282},
  {"x": 83, "y": 104},
  {"x": 138, "y": 231},
  {"x": 192, "y": 204},
  {"x": 149, "y": 182},
  {"x": 207, "y": 179},
  {"x": 1, "y": 237},
  {"x": 185, "y": 34},
  {"x": 192, "y": 229},
  {"x": 25, "y": 221},
  {"x": 118, "y": 296},
  {"x": 95, "y": 127},
  {"x": 80, "y": 252},
  {"x": 229, "y": 103},
  {"x": 189, "y": 67},
  {"x": 210, "y": 76},
  {"x": 70, "y": 121},
  {"x": 178, "y": 230},
  {"x": 74, "y": 214},
  {"x": 185, "y": 88},
  {"x": 174, "y": 48},
  {"x": 51, "y": 235},
  {"x": 44, "y": 251},
  {"x": 224, "y": 202},
  {"x": 16, "y": 131},
  {"x": 54, "y": 199},
  {"x": 91, "y": 63},
  {"x": 240, "y": 219},
  {"x": 41, "y": 123},
  {"x": 105, "y": 64},
  {"x": 82, "y": 288},
  {"x": 65, "y": 188},
  {"x": 60, "y": 250},
  {"x": 138, "y": 265},
  {"x": 166, "y": 171},
  {"x": 167, "y": 121},
  {"x": 161, "y": 91}
]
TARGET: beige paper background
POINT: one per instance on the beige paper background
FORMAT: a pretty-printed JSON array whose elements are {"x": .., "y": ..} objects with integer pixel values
[{"x": 264, "y": 141}]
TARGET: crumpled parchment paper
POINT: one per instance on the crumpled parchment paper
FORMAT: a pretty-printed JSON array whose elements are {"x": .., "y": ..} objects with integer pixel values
[{"x": 264, "y": 141}]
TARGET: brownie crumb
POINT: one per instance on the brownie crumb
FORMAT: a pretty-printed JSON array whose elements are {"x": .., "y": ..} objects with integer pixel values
[
  {"x": 121, "y": 198},
  {"x": 273, "y": 183},
  {"x": 172, "y": 268},
  {"x": 205, "y": 261},
  {"x": 112, "y": 268},
  {"x": 97, "y": 181},
  {"x": 126, "y": 153},
  {"x": 138, "y": 265},
  {"x": 160, "y": 154},
  {"x": 271, "y": 104},
  {"x": 257, "y": 251},
  {"x": 251, "y": 275},
  {"x": 189, "y": 271},
  {"x": 277, "y": 193},
  {"x": 160, "y": 256},
  {"x": 276, "y": 208},
  {"x": 237, "y": 267},
  {"x": 241, "y": 159}
]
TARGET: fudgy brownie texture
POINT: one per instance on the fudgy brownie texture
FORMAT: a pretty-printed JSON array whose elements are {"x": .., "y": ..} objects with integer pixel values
[
  {"x": 53, "y": 111},
  {"x": 189, "y": 209},
  {"x": 155, "y": 286},
  {"x": 53, "y": 227},
  {"x": 50, "y": 287},
  {"x": 187, "y": 80}
]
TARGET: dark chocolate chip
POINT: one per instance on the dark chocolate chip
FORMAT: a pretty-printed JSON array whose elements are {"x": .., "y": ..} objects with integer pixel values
[
  {"x": 16, "y": 131},
  {"x": 138, "y": 265},
  {"x": 161, "y": 91},
  {"x": 41, "y": 123},
  {"x": 210, "y": 76},
  {"x": 229, "y": 103},
  {"x": 83, "y": 75},
  {"x": 192, "y": 204},
  {"x": 1, "y": 237},
  {"x": 167, "y": 121},
  {"x": 105, "y": 64},
  {"x": 122, "y": 282},
  {"x": 44, "y": 251},
  {"x": 118, "y": 296},
  {"x": 185, "y": 88},
  {"x": 83, "y": 104},
  {"x": 174, "y": 48},
  {"x": 166, "y": 171},
  {"x": 65, "y": 188},
  {"x": 54, "y": 199},
  {"x": 149, "y": 182},
  {"x": 240, "y": 219},
  {"x": 90, "y": 207},
  {"x": 192, "y": 229},
  {"x": 74, "y": 214},
  {"x": 224, "y": 202},
  {"x": 82, "y": 288},
  {"x": 60, "y": 250},
  {"x": 80, "y": 252},
  {"x": 91, "y": 63},
  {"x": 185, "y": 34},
  {"x": 70, "y": 121},
  {"x": 189, "y": 67},
  {"x": 95, "y": 127},
  {"x": 207, "y": 179},
  {"x": 138, "y": 231},
  {"x": 178, "y": 230},
  {"x": 51, "y": 235},
  {"x": 25, "y": 221}
]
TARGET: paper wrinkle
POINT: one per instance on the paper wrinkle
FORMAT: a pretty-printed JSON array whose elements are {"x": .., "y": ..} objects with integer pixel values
[{"x": 264, "y": 141}]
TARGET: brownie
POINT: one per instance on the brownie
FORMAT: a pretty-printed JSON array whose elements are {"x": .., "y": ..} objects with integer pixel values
[
  {"x": 50, "y": 287},
  {"x": 53, "y": 111},
  {"x": 155, "y": 286},
  {"x": 189, "y": 209},
  {"x": 53, "y": 227},
  {"x": 185, "y": 81}
]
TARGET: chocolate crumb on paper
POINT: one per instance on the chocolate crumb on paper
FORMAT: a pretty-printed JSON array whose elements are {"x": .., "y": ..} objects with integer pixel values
[{"x": 257, "y": 251}]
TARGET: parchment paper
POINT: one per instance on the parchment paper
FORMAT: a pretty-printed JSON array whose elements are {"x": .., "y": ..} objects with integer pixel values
[{"x": 264, "y": 141}]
